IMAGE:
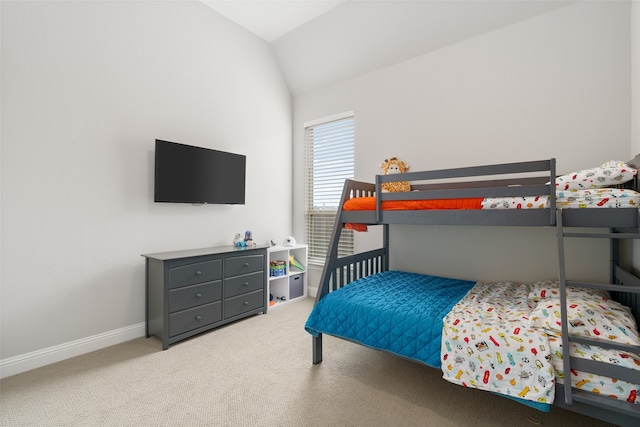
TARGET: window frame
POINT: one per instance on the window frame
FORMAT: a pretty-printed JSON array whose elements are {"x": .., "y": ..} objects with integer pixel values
[{"x": 318, "y": 232}]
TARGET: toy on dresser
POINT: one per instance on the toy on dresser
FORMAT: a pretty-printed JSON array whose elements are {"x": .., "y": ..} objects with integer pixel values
[
  {"x": 247, "y": 241},
  {"x": 238, "y": 241}
]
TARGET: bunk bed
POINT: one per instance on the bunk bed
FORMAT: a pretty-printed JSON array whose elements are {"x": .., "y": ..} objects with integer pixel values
[{"x": 478, "y": 333}]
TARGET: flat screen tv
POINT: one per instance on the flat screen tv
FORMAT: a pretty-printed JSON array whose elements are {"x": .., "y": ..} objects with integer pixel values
[{"x": 189, "y": 174}]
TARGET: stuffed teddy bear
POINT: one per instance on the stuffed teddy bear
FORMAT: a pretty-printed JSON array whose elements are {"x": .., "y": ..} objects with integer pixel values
[{"x": 390, "y": 167}]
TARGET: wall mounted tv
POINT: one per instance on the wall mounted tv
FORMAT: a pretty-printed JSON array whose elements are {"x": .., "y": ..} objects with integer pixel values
[{"x": 189, "y": 174}]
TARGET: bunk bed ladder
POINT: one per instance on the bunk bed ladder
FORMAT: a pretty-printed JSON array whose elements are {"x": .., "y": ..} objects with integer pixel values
[{"x": 621, "y": 282}]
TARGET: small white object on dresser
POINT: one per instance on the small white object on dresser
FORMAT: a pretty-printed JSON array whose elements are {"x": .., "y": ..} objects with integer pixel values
[{"x": 287, "y": 278}]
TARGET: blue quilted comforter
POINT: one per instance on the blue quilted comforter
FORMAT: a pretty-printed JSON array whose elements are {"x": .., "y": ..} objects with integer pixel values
[{"x": 394, "y": 311}]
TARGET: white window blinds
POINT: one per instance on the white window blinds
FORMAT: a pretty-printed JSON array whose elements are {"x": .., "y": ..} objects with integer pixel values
[{"x": 329, "y": 161}]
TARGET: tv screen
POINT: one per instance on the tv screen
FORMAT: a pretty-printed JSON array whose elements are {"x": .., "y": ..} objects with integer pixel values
[{"x": 189, "y": 174}]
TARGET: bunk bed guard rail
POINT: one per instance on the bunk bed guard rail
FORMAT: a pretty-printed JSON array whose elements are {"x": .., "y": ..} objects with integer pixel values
[{"x": 542, "y": 181}]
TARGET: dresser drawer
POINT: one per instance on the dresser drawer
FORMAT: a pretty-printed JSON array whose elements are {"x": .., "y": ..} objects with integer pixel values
[
  {"x": 194, "y": 295},
  {"x": 191, "y": 274},
  {"x": 243, "y": 284},
  {"x": 243, "y": 303},
  {"x": 235, "y": 266},
  {"x": 193, "y": 318}
]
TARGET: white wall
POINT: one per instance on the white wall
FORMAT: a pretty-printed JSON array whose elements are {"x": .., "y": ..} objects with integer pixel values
[
  {"x": 87, "y": 87},
  {"x": 635, "y": 108},
  {"x": 556, "y": 85},
  {"x": 635, "y": 76}
]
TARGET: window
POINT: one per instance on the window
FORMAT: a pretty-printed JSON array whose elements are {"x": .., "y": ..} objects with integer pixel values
[{"x": 329, "y": 146}]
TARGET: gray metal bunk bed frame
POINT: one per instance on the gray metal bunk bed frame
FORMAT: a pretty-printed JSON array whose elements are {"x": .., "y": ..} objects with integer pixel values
[{"x": 510, "y": 179}]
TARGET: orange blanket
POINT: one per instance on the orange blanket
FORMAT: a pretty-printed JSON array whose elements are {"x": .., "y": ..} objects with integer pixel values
[{"x": 369, "y": 204}]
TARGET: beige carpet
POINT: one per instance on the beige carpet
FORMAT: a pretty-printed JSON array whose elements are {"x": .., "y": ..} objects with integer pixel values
[{"x": 255, "y": 372}]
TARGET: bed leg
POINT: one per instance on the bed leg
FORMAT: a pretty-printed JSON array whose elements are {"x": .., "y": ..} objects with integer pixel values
[{"x": 317, "y": 349}]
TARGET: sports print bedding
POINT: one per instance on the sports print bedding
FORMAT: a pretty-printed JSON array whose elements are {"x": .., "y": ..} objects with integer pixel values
[
  {"x": 590, "y": 313},
  {"x": 570, "y": 199},
  {"x": 609, "y": 174},
  {"x": 487, "y": 344},
  {"x": 589, "y": 188},
  {"x": 505, "y": 338},
  {"x": 593, "y": 383}
]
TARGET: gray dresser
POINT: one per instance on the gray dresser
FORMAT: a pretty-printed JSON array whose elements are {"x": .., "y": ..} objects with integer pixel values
[{"x": 193, "y": 291}]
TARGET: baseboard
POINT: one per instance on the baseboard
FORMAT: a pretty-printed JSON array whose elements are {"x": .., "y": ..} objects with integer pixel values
[
  {"x": 36, "y": 359},
  {"x": 312, "y": 292}
]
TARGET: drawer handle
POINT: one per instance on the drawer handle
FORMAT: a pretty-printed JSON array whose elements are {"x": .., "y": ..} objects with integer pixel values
[
  {"x": 246, "y": 264},
  {"x": 198, "y": 317},
  {"x": 198, "y": 295},
  {"x": 246, "y": 303},
  {"x": 198, "y": 273}
]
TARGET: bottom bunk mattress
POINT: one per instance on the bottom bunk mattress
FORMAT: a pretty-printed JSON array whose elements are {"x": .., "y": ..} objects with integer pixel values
[
  {"x": 496, "y": 336},
  {"x": 395, "y": 311}
]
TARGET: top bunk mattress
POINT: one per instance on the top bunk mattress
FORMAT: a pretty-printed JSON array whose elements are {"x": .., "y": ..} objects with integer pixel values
[
  {"x": 602, "y": 202},
  {"x": 567, "y": 199}
]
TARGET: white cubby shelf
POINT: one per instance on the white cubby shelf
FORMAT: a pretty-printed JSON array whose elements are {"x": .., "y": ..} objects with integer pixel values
[{"x": 290, "y": 284}]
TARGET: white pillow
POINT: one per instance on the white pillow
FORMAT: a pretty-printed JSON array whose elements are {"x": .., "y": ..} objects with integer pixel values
[{"x": 610, "y": 173}]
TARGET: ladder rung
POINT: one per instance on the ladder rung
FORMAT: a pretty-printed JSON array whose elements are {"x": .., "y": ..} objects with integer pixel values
[
  {"x": 629, "y": 348},
  {"x": 605, "y": 286},
  {"x": 621, "y": 406},
  {"x": 606, "y": 369},
  {"x": 604, "y": 235}
]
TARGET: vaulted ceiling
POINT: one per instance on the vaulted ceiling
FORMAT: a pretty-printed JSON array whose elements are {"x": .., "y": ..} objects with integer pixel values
[
  {"x": 318, "y": 43},
  {"x": 270, "y": 19}
]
